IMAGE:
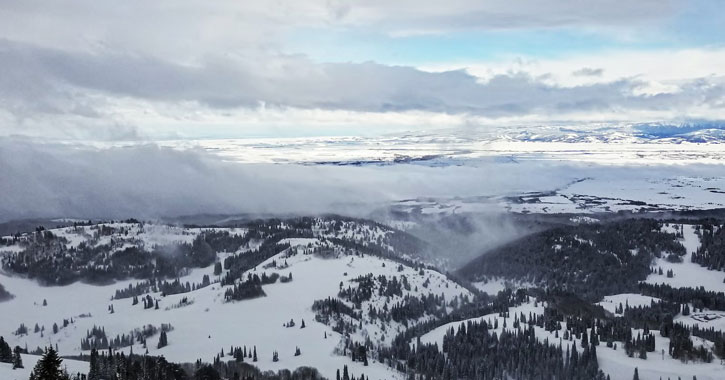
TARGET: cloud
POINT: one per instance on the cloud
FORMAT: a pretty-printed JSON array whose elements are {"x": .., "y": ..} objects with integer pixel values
[
  {"x": 81, "y": 71},
  {"x": 422, "y": 17},
  {"x": 147, "y": 181},
  {"x": 588, "y": 72},
  {"x": 86, "y": 85},
  {"x": 192, "y": 27}
]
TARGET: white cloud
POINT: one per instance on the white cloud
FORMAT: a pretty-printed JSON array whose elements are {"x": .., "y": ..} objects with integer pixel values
[
  {"x": 117, "y": 95},
  {"x": 133, "y": 70}
]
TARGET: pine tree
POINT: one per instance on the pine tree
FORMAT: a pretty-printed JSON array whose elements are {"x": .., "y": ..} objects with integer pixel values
[
  {"x": 163, "y": 341},
  {"x": 17, "y": 359},
  {"x": 6, "y": 354},
  {"x": 48, "y": 367},
  {"x": 346, "y": 376},
  {"x": 254, "y": 357},
  {"x": 636, "y": 374},
  {"x": 94, "y": 373}
]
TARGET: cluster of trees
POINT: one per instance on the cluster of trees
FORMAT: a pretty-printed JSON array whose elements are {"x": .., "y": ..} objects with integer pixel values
[
  {"x": 96, "y": 337},
  {"x": 165, "y": 287},
  {"x": 346, "y": 375},
  {"x": 237, "y": 264},
  {"x": 476, "y": 352},
  {"x": 681, "y": 346},
  {"x": 119, "y": 366},
  {"x": 332, "y": 311},
  {"x": 47, "y": 259},
  {"x": 698, "y": 297},
  {"x": 590, "y": 260},
  {"x": 239, "y": 353},
  {"x": 482, "y": 350},
  {"x": 8, "y": 355},
  {"x": 711, "y": 253},
  {"x": 236, "y": 370},
  {"x": 412, "y": 308},
  {"x": 250, "y": 288}
]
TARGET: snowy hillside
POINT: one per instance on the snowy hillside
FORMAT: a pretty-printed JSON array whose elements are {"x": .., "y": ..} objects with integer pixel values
[
  {"x": 205, "y": 321},
  {"x": 593, "y": 298}
]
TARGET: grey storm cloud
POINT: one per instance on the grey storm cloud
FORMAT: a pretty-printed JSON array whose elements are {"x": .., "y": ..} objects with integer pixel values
[
  {"x": 38, "y": 79},
  {"x": 589, "y": 72}
]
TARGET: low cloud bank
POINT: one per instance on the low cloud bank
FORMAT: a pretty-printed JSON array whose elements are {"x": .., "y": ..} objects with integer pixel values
[{"x": 147, "y": 181}]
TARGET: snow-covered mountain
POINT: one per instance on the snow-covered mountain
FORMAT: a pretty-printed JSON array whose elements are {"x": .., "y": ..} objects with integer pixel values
[
  {"x": 580, "y": 295},
  {"x": 367, "y": 268}
]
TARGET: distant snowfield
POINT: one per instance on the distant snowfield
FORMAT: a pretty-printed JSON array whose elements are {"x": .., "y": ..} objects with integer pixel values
[
  {"x": 455, "y": 145},
  {"x": 462, "y": 171},
  {"x": 603, "y": 190}
]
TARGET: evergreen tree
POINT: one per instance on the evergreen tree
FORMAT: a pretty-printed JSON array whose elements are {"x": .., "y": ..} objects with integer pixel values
[
  {"x": 48, "y": 367},
  {"x": 207, "y": 372},
  {"x": 636, "y": 374},
  {"x": 163, "y": 341},
  {"x": 94, "y": 373},
  {"x": 6, "y": 354},
  {"x": 345, "y": 375},
  {"x": 17, "y": 359}
]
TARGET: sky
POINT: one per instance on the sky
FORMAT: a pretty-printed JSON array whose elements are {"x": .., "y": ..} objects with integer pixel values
[{"x": 97, "y": 70}]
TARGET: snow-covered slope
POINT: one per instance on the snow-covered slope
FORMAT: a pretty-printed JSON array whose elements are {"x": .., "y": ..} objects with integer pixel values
[
  {"x": 8, "y": 373},
  {"x": 203, "y": 322},
  {"x": 613, "y": 362},
  {"x": 687, "y": 273}
]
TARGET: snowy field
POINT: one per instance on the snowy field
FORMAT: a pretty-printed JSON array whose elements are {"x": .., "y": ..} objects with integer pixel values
[
  {"x": 620, "y": 145},
  {"x": 687, "y": 273},
  {"x": 611, "y": 303}
]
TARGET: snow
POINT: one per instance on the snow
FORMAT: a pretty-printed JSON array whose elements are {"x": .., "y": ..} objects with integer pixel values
[
  {"x": 687, "y": 273},
  {"x": 492, "y": 286},
  {"x": 584, "y": 220},
  {"x": 705, "y": 319},
  {"x": 610, "y": 303},
  {"x": 208, "y": 324},
  {"x": 616, "y": 363},
  {"x": 8, "y": 373}
]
